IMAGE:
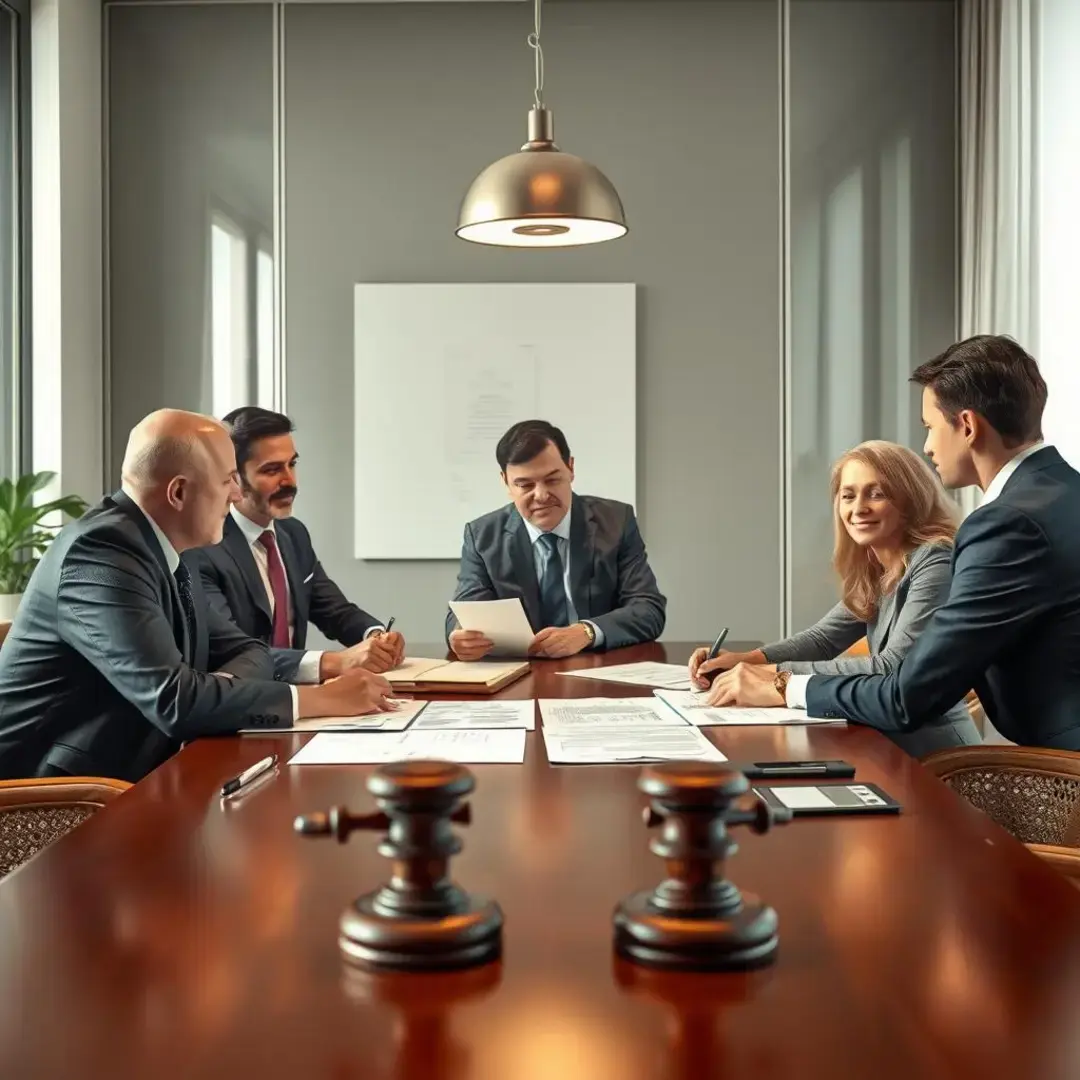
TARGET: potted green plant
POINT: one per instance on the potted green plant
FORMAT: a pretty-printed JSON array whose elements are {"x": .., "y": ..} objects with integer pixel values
[{"x": 24, "y": 536}]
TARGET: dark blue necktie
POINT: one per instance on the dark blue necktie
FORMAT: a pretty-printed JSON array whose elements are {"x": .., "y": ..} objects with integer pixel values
[
  {"x": 553, "y": 611},
  {"x": 187, "y": 602}
]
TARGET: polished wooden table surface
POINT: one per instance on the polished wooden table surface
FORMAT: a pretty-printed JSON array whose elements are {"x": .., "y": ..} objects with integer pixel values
[{"x": 172, "y": 936}]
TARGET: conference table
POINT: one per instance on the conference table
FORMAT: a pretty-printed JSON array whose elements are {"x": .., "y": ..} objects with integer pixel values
[{"x": 174, "y": 935}]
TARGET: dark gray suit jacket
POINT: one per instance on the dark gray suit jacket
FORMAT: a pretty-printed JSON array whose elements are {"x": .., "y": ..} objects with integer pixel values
[
  {"x": 235, "y": 589},
  {"x": 1010, "y": 628},
  {"x": 99, "y": 675},
  {"x": 901, "y": 617},
  {"x": 610, "y": 580}
]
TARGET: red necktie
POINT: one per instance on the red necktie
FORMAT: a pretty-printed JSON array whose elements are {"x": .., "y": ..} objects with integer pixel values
[{"x": 280, "y": 588}]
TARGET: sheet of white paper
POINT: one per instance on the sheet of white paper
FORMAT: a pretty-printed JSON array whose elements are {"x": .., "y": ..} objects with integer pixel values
[
  {"x": 411, "y": 668},
  {"x": 803, "y": 798},
  {"x": 397, "y": 720},
  {"x": 692, "y": 707},
  {"x": 670, "y": 676},
  {"x": 478, "y": 714},
  {"x": 502, "y": 622},
  {"x": 606, "y": 746},
  {"x": 618, "y": 714},
  {"x": 376, "y": 748}
]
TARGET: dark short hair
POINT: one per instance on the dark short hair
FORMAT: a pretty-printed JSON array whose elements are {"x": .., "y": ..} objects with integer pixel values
[
  {"x": 990, "y": 374},
  {"x": 526, "y": 439},
  {"x": 249, "y": 424}
]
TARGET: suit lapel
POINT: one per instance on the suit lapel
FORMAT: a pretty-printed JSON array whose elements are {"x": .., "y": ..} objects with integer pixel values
[
  {"x": 523, "y": 566},
  {"x": 179, "y": 619},
  {"x": 235, "y": 543},
  {"x": 296, "y": 588},
  {"x": 581, "y": 557}
]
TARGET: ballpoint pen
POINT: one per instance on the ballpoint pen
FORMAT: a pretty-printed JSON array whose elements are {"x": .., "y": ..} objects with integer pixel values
[
  {"x": 708, "y": 676},
  {"x": 389, "y": 625},
  {"x": 231, "y": 787}
]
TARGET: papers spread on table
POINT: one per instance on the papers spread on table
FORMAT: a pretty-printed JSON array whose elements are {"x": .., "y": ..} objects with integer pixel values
[
  {"x": 477, "y": 714},
  {"x": 502, "y": 622},
  {"x": 576, "y": 714},
  {"x": 669, "y": 676},
  {"x": 599, "y": 731},
  {"x": 692, "y": 706},
  {"x": 377, "y": 748},
  {"x": 397, "y": 720},
  {"x": 612, "y": 746}
]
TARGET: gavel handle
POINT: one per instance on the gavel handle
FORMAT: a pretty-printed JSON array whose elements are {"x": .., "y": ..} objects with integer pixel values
[{"x": 339, "y": 823}]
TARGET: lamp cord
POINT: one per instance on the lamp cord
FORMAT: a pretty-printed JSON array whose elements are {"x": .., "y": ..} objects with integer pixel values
[{"x": 538, "y": 52}]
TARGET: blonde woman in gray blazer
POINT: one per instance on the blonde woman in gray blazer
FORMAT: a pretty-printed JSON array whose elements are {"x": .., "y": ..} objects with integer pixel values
[{"x": 893, "y": 554}]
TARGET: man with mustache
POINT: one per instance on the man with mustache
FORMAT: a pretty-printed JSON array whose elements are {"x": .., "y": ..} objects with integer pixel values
[
  {"x": 265, "y": 575},
  {"x": 577, "y": 562}
]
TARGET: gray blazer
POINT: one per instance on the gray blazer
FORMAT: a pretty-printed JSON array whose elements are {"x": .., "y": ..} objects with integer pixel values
[
  {"x": 901, "y": 617},
  {"x": 611, "y": 582}
]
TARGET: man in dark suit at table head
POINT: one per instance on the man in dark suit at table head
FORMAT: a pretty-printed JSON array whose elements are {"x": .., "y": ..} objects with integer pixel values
[
  {"x": 114, "y": 659},
  {"x": 1010, "y": 628},
  {"x": 577, "y": 562},
  {"x": 265, "y": 575}
]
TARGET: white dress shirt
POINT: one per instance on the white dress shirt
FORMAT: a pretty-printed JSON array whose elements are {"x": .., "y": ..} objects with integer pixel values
[
  {"x": 540, "y": 561},
  {"x": 172, "y": 560},
  {"x": 795, "y": 695}
]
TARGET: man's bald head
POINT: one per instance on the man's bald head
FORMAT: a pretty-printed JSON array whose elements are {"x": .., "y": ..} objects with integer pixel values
[{"x": 181, "y": 469}]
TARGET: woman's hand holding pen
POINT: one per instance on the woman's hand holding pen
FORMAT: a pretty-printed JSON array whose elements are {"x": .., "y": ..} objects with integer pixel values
[{"x": 701, "y": 665}]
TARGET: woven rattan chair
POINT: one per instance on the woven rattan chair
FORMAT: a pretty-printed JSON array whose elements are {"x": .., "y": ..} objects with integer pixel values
[
  {"x": 1031, "y": 792},
  {"x": 34, "y": 813}
]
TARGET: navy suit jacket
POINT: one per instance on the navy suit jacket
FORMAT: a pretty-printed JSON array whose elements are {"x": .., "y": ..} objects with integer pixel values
[
  {"x": 235, "y": 589},
  {"x": 1010, "y": 628},
  {"x": 100, "y": 675},
  {"x": 611, "y": 582}
]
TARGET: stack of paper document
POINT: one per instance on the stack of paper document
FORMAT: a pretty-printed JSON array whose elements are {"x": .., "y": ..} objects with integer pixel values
[
  {"x": 605, "y": 731},
  {"x": 476, "y": 676},
  {"x": 397, "y": 720},
  {"x": 692, "y": 706},
  {"x": 465, "y": 747},
  {"x": 503, "y": 622},
  {"x": 669, "y": 676}
]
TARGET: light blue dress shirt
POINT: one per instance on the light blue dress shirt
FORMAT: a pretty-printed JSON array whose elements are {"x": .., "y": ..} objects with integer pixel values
[{"x": 540, "y": 559}]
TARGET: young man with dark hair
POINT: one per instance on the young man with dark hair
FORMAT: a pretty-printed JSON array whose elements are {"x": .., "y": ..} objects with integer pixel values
[
  {"x": 577, "y": 562},
  {"x": 265, "y": 575},
  {"x": 1010, "y": 628}
]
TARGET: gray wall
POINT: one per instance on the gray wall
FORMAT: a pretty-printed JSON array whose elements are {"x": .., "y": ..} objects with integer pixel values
[
  {"x": 392, "y": 109},
  {"x": 872, "y": 249},
  {"x": 191, "y": 131}
]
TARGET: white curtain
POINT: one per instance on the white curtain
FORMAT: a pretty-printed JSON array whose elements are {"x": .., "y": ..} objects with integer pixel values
[{"x": 999, "y": 71}]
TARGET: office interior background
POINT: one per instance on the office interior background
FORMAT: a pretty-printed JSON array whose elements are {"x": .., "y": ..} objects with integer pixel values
[{"x": 821, "y": 194}]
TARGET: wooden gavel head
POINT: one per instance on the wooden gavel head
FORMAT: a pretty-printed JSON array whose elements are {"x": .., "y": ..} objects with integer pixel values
[
  {"x": 419, "y": 918},
  {"x": 696, "y": 918}
]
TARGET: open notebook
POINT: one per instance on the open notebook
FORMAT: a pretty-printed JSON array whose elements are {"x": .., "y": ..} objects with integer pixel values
[{"x": 455, "y": 676}]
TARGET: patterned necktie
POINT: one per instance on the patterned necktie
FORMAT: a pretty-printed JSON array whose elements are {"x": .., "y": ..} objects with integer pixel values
[
  {"x": 553, "y": 610},
  {"x": 187, "y": 602},
  {"x": 279, "y": 639}
]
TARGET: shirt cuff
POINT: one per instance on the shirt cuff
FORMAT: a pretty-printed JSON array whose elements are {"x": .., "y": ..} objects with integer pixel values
[
  {"x": 374, "y": 630},
  {"x": 295, "y": 694},
  {"x": 307, "y": 671},
  {"x": 795, "y": 695},
  {"x": 599, "y": 642}
]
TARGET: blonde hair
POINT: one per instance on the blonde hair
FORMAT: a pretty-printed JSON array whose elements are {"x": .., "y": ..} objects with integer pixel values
[{"x": 927, "y": 514}]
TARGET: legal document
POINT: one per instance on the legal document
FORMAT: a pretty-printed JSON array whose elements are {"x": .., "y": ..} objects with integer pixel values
[
  {"x": 669, "y": 676},
  {"x": 377, "y": 748},
  {"x": 502, "y": 622},
  {"x": 693, "y": 707},
  {"x": 396, "y": 720},
  {"x": 478, "y": 714},
  {"x": 611, "y": 746},
  {"x": 579, "y": 714}
]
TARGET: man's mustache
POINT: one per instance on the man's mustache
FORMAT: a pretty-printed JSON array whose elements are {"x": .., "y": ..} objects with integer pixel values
[{"x": 283, "y": 493}]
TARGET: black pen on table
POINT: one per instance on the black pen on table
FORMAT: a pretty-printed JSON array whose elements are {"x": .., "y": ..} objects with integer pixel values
[{"x": 231, "y": 787}]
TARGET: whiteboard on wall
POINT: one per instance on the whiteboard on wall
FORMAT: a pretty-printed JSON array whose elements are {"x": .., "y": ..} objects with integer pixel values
[{"x": 441, "y": 372}]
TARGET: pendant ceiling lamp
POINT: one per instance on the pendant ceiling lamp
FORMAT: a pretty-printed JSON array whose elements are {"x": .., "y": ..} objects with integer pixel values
[{"x": 541, "y": 197}]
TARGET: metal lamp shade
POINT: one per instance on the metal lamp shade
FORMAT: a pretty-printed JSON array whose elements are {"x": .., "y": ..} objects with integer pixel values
[{"x": 541, "y": 197}]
